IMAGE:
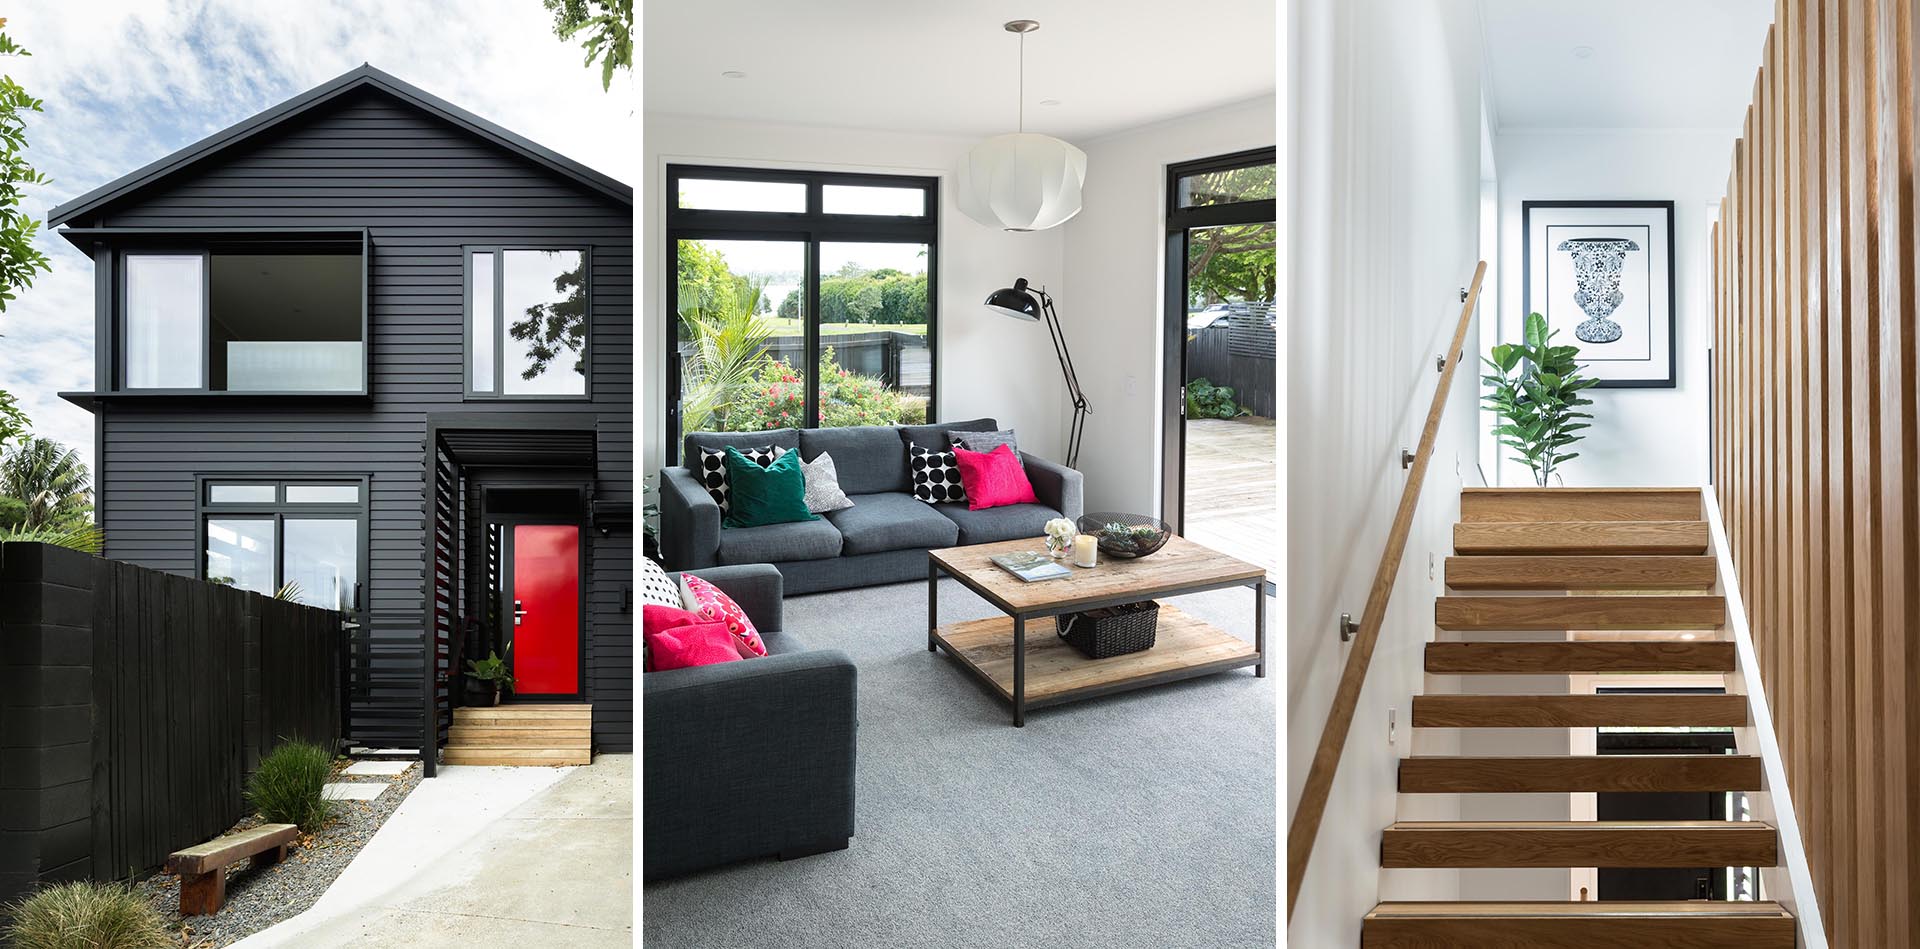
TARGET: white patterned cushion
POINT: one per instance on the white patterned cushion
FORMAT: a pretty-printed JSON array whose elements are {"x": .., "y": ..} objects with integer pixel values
[
  {"x": 713, "y": 470},
  {"x": 823, "y": 486},
  {"x": 936, "y": 476},
  {"x": 656, "y": 587}
]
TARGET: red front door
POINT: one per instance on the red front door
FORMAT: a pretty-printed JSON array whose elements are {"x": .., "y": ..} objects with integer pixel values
[{"x": 546, "y": 609}]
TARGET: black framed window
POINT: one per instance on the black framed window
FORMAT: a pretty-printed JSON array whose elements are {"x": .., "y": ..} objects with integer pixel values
[
  {"x": 528, "y": 322},
  {"x": 305, "y": 540},
  {"x": 801, "y": 299},
  {"x": 261, "y": 315}
]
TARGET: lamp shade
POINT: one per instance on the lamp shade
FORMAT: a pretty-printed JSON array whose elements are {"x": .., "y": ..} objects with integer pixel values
[
  {"x": 1022, "y": 182},
  {"x": 1015, "y": 301}
]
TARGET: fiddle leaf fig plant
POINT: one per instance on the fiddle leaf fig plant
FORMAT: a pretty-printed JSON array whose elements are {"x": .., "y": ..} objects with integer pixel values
[{"x": 1534, "y": 392}]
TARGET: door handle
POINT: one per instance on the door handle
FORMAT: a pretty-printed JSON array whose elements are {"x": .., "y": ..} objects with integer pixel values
[{"x": 517, "y": 612}]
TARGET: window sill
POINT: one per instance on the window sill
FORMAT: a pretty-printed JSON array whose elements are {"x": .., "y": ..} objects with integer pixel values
[{"x": 92, "y": 400}]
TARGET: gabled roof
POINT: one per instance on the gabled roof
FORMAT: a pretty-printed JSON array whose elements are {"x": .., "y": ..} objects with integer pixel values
[{"x": 364, "y": 77}]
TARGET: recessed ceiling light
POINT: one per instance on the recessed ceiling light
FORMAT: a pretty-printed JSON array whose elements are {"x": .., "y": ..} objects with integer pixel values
[
  {"x": 733, "y": 74},
  {"x": 1049, "y": 101},
  {"x": 1583, "y": 52}
]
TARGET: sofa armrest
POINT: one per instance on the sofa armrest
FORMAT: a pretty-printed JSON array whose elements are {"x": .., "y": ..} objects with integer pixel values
[
  {"x": 755, "y": 586},
  {"x": 748, "y": 759},
  {"x": 689, "y": 521},
  {"x": 1057, "y": 486}
]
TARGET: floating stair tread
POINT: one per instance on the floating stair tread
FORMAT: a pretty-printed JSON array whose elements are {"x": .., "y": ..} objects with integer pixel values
[
  {"x": 1555, "y": 658},
  {"x": 1577, "y": 773},
  {"x": 1679, "y": 611},
  {"x": 492, "y": 758},
  {"x": 1576, "y": 572},
  {"x": 1580, "y": 504},
  {"x": 554, "y": 742},
  {"x": 1578, "y": 711},
  {"x": 1590, "y": 925},
  {"x": 510, "y": 713},
  {"x": 1408, "y": 844},
  {"x": 1580, "y": 537}
]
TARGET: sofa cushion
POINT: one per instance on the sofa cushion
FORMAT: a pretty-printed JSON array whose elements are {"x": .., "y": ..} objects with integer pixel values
[
  {"x": 868, "y": 459},
  {"x": 777, "y": 437},
  {"x": 778, "y": 543},
  {"x": 934, "y": 437},
  {"x": 1013, "y": 522},
  {"x": 892, "y": 521}
]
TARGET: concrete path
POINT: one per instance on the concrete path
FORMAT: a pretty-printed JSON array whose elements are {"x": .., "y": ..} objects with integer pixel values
[{"x": 479, "y": 857}]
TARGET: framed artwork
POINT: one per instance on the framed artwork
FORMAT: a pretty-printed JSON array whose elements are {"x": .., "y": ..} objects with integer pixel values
[{"x": 1601, "y": 272}]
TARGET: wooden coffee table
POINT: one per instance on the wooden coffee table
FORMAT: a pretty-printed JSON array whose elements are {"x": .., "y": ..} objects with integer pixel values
[{"x": 1031, "y": 668}]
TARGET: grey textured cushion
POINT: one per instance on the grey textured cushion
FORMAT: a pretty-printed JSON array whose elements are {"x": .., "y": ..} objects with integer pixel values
[
  {"x": 1013, "y": 522},
  {"x": 878, "y": 522},
  {"x": 869, "y": 460},
  {"x": 823, "y": 492},
  {"x": 934, "y": 437},
  {"x": 779, "y": 438},
  {"x": 984, "y": 441},
  {"x": 773, "y": 543}
]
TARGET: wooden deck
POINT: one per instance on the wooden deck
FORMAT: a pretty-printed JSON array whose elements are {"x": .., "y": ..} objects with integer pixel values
[{"x": 1232, "y": 502}]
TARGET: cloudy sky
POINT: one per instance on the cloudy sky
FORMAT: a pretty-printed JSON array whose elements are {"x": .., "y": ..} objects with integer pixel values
[{"x": 128, "y": 82}]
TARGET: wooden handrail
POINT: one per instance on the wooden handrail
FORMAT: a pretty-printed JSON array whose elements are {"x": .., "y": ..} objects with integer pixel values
[{"x": 1333, "y": 738}]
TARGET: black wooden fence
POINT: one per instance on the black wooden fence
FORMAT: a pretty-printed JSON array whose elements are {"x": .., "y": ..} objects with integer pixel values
[
  {"x": 1237, "y": 353},
  {"x": 133, "y": 705}
]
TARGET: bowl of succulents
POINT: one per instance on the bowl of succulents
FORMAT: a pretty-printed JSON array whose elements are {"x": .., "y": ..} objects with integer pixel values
[{"x": 1126, "y": 536}]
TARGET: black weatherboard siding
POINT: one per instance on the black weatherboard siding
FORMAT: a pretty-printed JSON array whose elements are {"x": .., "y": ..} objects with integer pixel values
[{"x": 367, "y": 155}]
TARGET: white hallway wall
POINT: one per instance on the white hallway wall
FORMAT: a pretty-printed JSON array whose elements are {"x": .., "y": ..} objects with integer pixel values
[
  {"x": 1385, "y": 133},
  {"x": 988, "y": 365},
  {"x": 1110, "y": 306},
  {"x": 1639, "y": 436}
]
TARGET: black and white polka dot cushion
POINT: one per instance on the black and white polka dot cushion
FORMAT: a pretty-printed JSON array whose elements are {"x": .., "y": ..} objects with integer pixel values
[
  {"x": 713, "y": 469},
  {"x": 656, "y": 587},
  {"x": 936, "y": 476}
]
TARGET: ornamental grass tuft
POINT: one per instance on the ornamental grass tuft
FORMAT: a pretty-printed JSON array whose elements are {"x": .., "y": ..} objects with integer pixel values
[
  {"x": 286, "y": 789},
  {"x": 84, "y": 915}
]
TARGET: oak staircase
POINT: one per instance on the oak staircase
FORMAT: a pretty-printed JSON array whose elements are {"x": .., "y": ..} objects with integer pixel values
[
  {"x": 520, "y": 735},
  {"x": 1626, "y": 574}
]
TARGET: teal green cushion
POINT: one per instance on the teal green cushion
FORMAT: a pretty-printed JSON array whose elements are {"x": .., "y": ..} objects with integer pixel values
[{"x": 756, "y": 496}]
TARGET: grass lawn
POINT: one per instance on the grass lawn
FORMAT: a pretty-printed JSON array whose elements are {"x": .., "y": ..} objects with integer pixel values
[{"x": 794, "y": 328}]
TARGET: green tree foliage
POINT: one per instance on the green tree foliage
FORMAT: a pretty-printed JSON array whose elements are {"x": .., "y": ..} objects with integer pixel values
[
  {"x": 19, "y": 259},
  {"x": 13, "y": 420},
  {"x": 706, "y": 282},
  {"x": 607, "y": 26},
  {"x": 1233, "y": 262},
  {"x": 729, "y": 336},
  {"x": 885, "y": 297},
  {"x": 556, "y": 328},
  {"x": 1534, "y": 393},
  {"x": 52, "y": 483}
]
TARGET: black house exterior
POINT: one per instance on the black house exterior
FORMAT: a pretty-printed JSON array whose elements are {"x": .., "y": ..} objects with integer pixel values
[{"x": 375, "y": 347}]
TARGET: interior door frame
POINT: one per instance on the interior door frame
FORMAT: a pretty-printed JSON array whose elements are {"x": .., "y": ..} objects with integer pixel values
[
  {"x": 1179, "y": 220},
  {"x": 507, "y": 522}
]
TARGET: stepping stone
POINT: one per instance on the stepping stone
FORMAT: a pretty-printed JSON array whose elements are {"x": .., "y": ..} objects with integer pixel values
[
  {"x": 363, "y": 751},
  {"x": 353, "y": 791},
  {"x": 378, "y": 767}
]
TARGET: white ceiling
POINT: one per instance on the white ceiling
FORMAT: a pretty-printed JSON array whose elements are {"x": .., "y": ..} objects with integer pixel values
[
  {"x": 942, "y": 66},
  {"x": 1655, "y": 63}
]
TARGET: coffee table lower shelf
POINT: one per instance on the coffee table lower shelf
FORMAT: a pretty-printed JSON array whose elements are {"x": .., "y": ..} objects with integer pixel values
[{"x": 1184, "y": 647}]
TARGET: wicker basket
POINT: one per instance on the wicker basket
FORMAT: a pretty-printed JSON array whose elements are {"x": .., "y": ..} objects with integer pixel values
[{"x": 1110, "y": 631}]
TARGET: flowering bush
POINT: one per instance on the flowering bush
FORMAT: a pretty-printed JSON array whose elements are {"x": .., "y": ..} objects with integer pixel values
[{"x": 776, "y": 397}]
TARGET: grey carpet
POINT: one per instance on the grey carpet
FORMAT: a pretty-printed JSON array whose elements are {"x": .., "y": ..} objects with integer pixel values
[{"x": 1141, "y": 819}]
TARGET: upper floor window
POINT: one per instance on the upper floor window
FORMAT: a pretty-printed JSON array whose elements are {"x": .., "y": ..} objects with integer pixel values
[
  {"x": 527, "y": 320},
  {"x": 222, "y": 321}
]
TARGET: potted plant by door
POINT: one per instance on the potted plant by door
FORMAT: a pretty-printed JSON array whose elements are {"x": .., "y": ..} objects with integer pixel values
[{"x": 492, "y": 673}]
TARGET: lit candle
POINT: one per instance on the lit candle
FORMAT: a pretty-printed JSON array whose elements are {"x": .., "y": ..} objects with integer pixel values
[{"x": 1086, "y": 552}]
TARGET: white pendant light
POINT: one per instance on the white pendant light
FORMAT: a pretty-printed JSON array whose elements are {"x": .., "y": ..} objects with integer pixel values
[{"x": 1023, "y": 181}]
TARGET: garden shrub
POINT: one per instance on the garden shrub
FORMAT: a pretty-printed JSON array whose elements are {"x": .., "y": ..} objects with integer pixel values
[
  {"x": 84, "y": 915},
  {"x": 777, "y": 398},
  {"x": 286, "y": 789},
  {"x": 1206, "y": 400}
]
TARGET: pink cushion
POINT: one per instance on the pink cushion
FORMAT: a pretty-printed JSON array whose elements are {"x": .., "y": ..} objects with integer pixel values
[
  {"x": 679, "y": 639},
  {"x": 704, "y": 598},
  {"x": 993, "y": 478}
]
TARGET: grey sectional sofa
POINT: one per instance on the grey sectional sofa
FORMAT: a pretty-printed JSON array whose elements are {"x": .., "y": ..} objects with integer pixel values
[
  {"x": 749, "y": 759},
  {"x": 883, "y": 538}
]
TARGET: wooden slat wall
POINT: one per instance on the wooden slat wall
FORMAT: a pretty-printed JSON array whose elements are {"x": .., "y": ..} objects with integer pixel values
[{"x": 1815, "y": 454}]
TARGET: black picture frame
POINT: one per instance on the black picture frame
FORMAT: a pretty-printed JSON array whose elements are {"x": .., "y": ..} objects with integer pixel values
[{"x": 1671, "y": 378}]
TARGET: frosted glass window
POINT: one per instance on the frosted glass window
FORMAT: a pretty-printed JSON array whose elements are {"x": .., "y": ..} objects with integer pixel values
[
  {"x": 865, "y": 199},
  {"x": 240, "y": 494},
  {"x": 323, "y": 494},
  {"x": 165, "y": 321},
  {"x": 709, "y": 194},
  {"x": 480, "y": 322}
]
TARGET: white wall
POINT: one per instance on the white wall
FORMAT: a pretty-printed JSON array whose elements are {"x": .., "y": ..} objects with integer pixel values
[
  {"x": 1110, "y": 307},
  {"x": 1639, "y": 436},
  {"x": 1385, "y": 133},
  {"x": 988, "y": 365}
]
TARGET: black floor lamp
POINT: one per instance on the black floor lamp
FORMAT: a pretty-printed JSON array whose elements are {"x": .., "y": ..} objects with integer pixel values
[{"x": 1017, "y": 302}]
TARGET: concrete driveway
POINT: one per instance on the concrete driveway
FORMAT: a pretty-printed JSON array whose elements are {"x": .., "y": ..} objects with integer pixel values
[{"x": 479, "y": 857}]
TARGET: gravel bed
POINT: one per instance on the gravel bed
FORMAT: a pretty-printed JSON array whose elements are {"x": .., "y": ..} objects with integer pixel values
[{"x": 259, "y": 899}]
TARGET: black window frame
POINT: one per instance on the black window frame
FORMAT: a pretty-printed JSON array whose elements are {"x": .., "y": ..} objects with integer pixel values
[
  {"x": 278, "y": 510},
  {"x": 205, "y": 244},
  {"x": 809, "y": 228},
  {"x": 499, "y": 394},
  {"x": 1180, "y": 220}
]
